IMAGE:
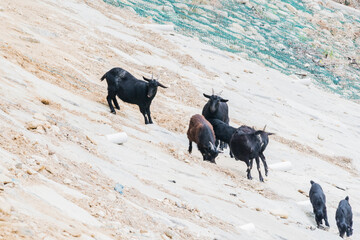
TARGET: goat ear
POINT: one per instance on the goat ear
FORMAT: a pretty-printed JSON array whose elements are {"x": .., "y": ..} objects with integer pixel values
[
  {"x": 146, "y": 79},
  {"x": 205, "y": 95},
  {"x": 224, "y": 100},
  {"x": 160, "y": 85}
]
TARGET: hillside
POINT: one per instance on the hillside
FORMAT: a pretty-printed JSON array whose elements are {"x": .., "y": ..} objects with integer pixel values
[{"x": 58, "y": 171}]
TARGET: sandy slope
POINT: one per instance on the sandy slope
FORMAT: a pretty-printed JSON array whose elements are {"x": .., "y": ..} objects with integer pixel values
[{"x": 59, "y": 170}]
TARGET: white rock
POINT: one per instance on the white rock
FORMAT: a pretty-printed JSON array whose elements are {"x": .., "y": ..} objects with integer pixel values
[
  {"x": 67, "y": 181},
  {"x": 250, "y": 227},
  {"x": 118, "y": 138}
]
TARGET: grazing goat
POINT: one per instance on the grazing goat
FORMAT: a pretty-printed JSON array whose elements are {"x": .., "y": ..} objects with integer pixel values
[
  {"x": 318, "y": 201},
  {"x": 131, "y": 90},
  {"x": 247, "y": 144},
  {"x": 223, "y": 131},
  {"x": 344, "y": 218},
  {"x": 216, "y": 108},
  {"x": 201, "y": 132}
]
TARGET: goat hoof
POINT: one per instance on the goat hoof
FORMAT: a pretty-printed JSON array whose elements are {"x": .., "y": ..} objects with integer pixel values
[
  {"x": 118, "y": 108},
  {"x": 113, "y": 112}
]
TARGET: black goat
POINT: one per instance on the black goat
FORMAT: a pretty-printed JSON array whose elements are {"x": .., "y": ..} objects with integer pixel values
[
  {"x": 216, "y": 108},
  {"x": 131, "y": 90},
  {"x": 201, "y": 132},
  {"x": 344, "y": 218},
  {"x": 223, "y": 131},
  {"x": 318, "y": 201},
  {"x": 246, "y": 144}
]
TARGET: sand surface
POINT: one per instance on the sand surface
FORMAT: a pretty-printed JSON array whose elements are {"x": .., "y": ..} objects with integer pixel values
[{"x": 58, "y": 171}]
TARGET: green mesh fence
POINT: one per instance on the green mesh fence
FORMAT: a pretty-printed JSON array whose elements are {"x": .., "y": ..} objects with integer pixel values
[{"x": 267, "y": 31}]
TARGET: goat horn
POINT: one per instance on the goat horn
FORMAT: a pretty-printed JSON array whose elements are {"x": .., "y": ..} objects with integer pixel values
[
  {"x": 220, "y": 92},
  {"x": 213, "y": 92},
  {"x": 152, "y": 75},
  {"x": 264, "y": 128},
  {"x": 212, "y": 146}
]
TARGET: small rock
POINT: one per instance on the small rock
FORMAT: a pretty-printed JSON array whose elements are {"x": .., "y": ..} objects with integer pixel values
[
  {"x": 33, "y": 125},
  {"x": 30, "y": 171},
  {"x": 169, "y": 233},
  {"x": 5, "y": 179},
  {"x": 18, "y": 165},
  {"x": 279, "y": 213},
  {"x": 250, "y": 227},
  {"x": 67, "y": 181},
  {"x": 143, "y": 231},
  {"x": 173, "y": 181},
  {"x": 73, "y": 232},
  {"x": 187, "y": 161},
  {"x": 242, "y": 1},
  {"x": 45, "y": 101},
  {"x": 233, "y": 194},
  {"x": 320, "y": 138}
]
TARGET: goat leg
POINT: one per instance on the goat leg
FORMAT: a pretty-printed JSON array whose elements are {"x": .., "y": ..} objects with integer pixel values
[
  {"x": 190, "y": 146},
  {"x": 258, "y": 168},
  {"x": 325, "y": 218},
  {"x": 143, "y": 111},
  {"x": 263, "y": 159},
  {"x": 116, "y": 103},
  {"x": 149, "y": 114},
  {"x": 111, "y": 96},
  {"x": 249, "y": 167}
]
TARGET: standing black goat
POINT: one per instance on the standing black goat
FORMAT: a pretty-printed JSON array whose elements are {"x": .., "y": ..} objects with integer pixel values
[
  {"x": 216, "y": 108},
  {"x": 318, "y": 201},
  {"x": 343, "y": 218},
  {"x": 246, "y": 144},
  {"x": 223, "y": 131},
  {"x": 131, "y": 90}
]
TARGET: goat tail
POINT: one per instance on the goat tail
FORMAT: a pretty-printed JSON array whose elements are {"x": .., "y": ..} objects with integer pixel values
[
  {"x": 103, "y": 77},
  {"x": 347, "y": 198},
  {"x": 312, "y": 182}
]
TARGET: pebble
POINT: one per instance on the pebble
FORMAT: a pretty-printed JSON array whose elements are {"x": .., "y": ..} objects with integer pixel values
[
  {"x": 33, "y": 125},
  {"x": 4, "y": 179},
  {"x": 18, "y": 165},
  {"x": 73, "y": 232},
  {"x": 279, "y": 213},
  {"x": 169, "y": 233},
  {"x": 67, "y": 181}
]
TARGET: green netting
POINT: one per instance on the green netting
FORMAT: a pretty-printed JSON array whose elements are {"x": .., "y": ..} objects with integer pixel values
[{"x": 266, "y": 31}]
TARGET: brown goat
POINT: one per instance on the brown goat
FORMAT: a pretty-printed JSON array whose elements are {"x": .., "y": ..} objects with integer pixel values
[{"x": 201, "y": 132}]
